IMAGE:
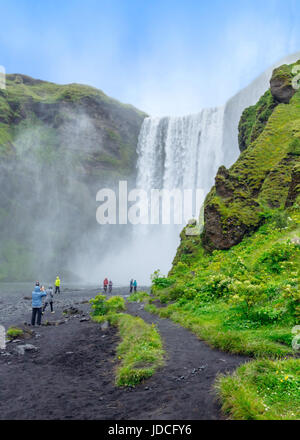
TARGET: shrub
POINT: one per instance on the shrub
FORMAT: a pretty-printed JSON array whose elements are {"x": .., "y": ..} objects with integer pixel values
[
  {"x": 267, "y": 314},
  {"x": 294, "y": 147},
  {"x": 139, "y": 297},
  {"x": 273, "y": 258},
  {"x": 159, "y": 281},
  {"x": 217, "y": 286},
  {"x": 247, "y": 294},
  {"x": 99, "y": 305},
  {"x": 115, "y": 304},
  {"x": 14, "y": 332}
]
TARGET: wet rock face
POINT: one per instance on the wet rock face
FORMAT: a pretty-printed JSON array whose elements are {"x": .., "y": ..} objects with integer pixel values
[
  {"x": 281, "y": 85},
  {"x": 222, "y": 183},
  {"x": 215, "y": 236}
]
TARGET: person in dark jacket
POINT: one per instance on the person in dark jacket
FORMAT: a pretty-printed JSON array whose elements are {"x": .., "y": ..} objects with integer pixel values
[
  {"x": 131, "y": 285},
  {"x": 37, "y": 296}
]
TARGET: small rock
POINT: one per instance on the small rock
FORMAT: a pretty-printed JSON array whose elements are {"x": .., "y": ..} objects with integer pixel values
[
  {"x": 84, "y": 319},
  {"x": 104, "y": 325},
  {"x": 146, "y": 388},
  {"x": 70, "y": 352},
  {"x": 16, "y": 341},
  {"x": 20, "y": 349},
  {"x": 27, "y": 298},
  {"x": 71, "y": 311}
]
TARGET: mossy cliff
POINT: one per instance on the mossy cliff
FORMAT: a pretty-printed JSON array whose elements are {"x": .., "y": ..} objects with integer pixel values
[
  {"x": 100, "y": 132},
  {"x": 266, "y": 175},
  {"x": 59, "y": 144}
]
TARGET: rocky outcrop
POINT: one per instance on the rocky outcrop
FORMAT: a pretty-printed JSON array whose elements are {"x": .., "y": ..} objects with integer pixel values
[{"x": 281, "y": 84}]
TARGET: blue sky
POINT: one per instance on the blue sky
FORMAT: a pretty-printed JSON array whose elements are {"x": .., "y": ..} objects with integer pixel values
[{"x": 163, "y": 56}]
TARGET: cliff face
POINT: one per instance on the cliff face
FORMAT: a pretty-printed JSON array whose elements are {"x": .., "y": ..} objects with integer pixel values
[
  {"x": 99, "y": 132},
  {"x": 266, "y": 174},
  {"x": 58, "y": 146}
]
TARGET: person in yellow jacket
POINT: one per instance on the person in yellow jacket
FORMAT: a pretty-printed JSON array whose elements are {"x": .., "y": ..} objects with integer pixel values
[{"x": 57, "y": 285}]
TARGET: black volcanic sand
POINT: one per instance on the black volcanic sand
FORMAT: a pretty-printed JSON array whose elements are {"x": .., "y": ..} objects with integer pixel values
[{"x": 70, "y": 376}]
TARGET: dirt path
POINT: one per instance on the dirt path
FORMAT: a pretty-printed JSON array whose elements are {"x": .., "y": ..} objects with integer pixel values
[{"x": 70, "y": 376}]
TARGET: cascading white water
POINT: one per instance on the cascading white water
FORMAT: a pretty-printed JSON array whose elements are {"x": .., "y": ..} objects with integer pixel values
[
  {"x": 180, "y": 152},
  {"x": 176, "y": 153}
]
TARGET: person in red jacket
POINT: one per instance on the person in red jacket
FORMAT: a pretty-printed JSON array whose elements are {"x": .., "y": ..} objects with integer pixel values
[{"x": 105, "y": 284}]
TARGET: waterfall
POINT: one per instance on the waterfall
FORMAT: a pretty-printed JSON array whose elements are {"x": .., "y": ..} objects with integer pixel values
[
  {"x": 185, "y": 152},
  {"x": 175, "y": 153},
  {"x": 180, "y": 152}
]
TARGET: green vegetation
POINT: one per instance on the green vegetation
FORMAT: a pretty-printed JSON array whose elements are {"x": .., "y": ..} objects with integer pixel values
[
  {"x": 254, "y": 119},
  {"x": 14, "y": 332},
  {"x": 105, "y": 309},
  {"x": 140, "y": 352},
  {"x": 139, "y": 297},
  {"x": 262, "y": 390},
  {"x": 41, "y": 109},
  {"x": 54, "y": 128},
  {"x": 243, "y": 300},
  {"x": 236, "y": 286},
  {"x": 262, "y": 176}
]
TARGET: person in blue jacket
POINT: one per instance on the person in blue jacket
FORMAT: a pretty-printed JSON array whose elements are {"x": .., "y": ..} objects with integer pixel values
[{"x": 37, "y": 296}]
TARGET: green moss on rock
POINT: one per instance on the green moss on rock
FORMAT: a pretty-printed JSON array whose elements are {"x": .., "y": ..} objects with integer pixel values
[{"x": 254, "y": 119}]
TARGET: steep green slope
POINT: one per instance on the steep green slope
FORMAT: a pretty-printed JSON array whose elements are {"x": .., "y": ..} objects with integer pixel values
[
  {"x": 262, "y": 177},
  {"x": 242, "y": 273}
]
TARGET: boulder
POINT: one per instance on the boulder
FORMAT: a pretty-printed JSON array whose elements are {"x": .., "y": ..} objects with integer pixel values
[
  {"x": 281, "y": 84},
  {"x": 20, "y": 349}
]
